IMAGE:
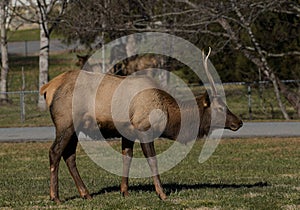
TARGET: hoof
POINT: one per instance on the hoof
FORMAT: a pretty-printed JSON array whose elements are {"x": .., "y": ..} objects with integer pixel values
[
  {"x": 87, "y": 196},
  {"x": 56, "y": 200},
  {"x": 163, "y": 196},
  {"x": 125, "y": 194}
]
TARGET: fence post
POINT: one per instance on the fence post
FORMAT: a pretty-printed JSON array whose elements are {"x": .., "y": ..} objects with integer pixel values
[
  {"x": 26, "y": 48},
  {"x": 22, "y": 97},
  {"x": 22, "y": 106},
  {"x": 249, "y": 102}
]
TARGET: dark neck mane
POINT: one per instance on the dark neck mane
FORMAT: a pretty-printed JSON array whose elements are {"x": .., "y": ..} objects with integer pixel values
[{"x": 174, "y": 120}]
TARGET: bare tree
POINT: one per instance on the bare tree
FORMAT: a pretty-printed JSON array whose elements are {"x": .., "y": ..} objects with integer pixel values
[
  {"x": 258, "y": 58},
  {"x": 237, "y": 20},
  {"x": 48, "y": 15},
  {"x": 254, "y": 52},
  {"x": 221, "y": 24},
  {"x": 4, "y": 52},
  {"x": 44, "y": 10}
]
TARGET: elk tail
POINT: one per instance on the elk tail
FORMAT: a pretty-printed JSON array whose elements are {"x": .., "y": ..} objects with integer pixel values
[{"x": 49, "y": 89}]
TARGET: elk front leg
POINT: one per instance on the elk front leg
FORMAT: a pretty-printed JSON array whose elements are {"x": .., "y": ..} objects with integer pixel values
[
  {"x": 150, "y": 154},
  {"x": 127, "y": 152},
  {"x": 69, "y": 155}
]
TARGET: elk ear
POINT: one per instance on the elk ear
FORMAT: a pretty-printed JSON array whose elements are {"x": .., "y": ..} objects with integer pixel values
[
  {"x": 82, "y": 56},
  {"x": 206, "y": 101},
  {"x": 125, "y": 62}
]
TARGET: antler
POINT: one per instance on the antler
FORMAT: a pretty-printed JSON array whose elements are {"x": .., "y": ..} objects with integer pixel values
[{"x": 208, "y": 74}]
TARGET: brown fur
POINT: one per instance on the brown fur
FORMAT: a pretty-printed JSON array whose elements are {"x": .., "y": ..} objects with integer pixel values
[
  {"x": 59, "y": 96},
  {"x": 81, "y": 60},
  {"x": 49, "y": 89},
  {"x": 138, "y": 63},
  {"x": 129, "y": 65}
]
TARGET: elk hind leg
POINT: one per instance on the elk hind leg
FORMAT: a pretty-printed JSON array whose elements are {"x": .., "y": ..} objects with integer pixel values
[
  {"x": 127, "y": 152},
  {"x": 69, "y": 155},
  {"x": 150, "y": 154},
  {"x": 54, "y": 157},
  {"x": 63, "y": 137}
]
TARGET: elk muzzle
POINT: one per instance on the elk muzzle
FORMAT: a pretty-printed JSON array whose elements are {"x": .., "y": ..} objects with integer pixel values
[{"x": 233, "y": 122}]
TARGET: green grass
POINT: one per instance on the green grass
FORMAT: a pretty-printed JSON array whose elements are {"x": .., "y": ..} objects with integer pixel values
[
  {"x": 264, "y": 107},
  {"x": 23, "y": 35},
  {"x": 27, "y": 35},
  {"x": 241, "y": 174}
]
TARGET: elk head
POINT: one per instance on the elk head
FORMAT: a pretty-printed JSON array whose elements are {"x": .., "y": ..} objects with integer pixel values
[
  {"x": 82, "y": 59},
  {"x": 216, "y": 114}
]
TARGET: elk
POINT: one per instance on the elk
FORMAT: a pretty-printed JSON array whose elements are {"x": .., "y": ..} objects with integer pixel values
[
  {"x": 127, "y": 66},
  {"x": 137, "y": 63},
  {"x": 83, "y": 65},
  {"x": 59, "y": 92},
  {"x": 81, "y": 60}
]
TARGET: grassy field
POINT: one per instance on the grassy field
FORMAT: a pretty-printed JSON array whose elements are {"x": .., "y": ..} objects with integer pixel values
[
  {"x": 23, "y": 35},
  {"x": 27, "y": 35},
  {"x": 241, "y": 174}
]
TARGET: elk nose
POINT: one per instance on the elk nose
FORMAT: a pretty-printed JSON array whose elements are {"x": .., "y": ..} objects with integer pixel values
[
  {"x": 237, "y": 125},
  {"x": 241, "y": 123}
]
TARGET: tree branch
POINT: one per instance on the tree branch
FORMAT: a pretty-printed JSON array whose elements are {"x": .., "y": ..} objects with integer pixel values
[
  {"x": 269, "y": 54},
  {"x": 59, "y": 17}
]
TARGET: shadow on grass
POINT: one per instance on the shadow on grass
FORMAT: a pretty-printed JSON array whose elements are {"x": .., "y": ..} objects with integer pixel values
[{"x": 174, "y": 187}]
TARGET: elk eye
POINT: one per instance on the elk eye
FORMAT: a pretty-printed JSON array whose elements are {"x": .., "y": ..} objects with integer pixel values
[{"x": 221, "y": 109}]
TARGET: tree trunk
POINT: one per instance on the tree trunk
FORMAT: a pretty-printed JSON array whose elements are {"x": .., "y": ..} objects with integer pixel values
[
  {"x": 47, "y": 25},
  {"x": 292, "y": 97},
  {"x": 274, "y": 80},
  {"x": 4, "y": 53},
  {"x": 260, "y": 61},
  {"x": 43, "y": 62}
]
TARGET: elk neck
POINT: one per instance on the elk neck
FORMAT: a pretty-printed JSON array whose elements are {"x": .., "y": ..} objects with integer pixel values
[{"x": 175, "y": 113}]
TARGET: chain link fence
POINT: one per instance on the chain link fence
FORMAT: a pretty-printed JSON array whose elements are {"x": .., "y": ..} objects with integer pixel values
[
  {"x": 21, "y": 110},
  {"x": 257, "y": 101},
  {"x": 250, "y": 101}
]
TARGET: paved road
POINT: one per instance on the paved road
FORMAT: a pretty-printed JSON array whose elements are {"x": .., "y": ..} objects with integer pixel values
[
  {"x": 266, "y": 129},
  {"x": 256, "y": 129},
  {"x": 33, "y": 47},
  {"x": 27, "y": 134}
]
